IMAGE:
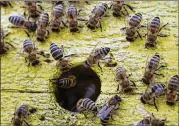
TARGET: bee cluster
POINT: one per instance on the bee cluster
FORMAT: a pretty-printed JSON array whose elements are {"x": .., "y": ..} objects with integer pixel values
[{"x": 77, "y": 88}]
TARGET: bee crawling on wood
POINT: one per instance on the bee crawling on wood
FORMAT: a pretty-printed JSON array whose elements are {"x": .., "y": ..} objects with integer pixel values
[
  {"x": 34, "y": 9},
  {"x": 57, "y": 21},
  {"x": 171, "y": 94},
  {"x": 72, "y": 18},
  {"x": 153, "y": 31},
  {"x": 106, "y": 112},
  {"x": 21, "y": 115},
  {"x": 126, "y": 84},
  {"x": 42, "y": 32},
  {"x": 95, "y": 56},
  {"x": 151, "y": 68},
  {"x": 151, "y": 93},
  {"x": 21, "y": 22},
  {"x": 134, "y": 25},
  {"x": 58, "y": 54},
  {"x": 5, "y": 4},
  {"x": 117, "y": 7},
  {"x": 97, "y": 14},
  {"x": 4, "y": 46}
]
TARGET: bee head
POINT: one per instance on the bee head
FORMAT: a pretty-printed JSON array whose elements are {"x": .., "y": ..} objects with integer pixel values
[
  {"x": 116, "y": 14},
  {"x": 142, "y": 100},
  {"x": 17, "y": 122},
  {"x": 35, "y": 62},
  {"x": 162, "y": 123},
  {"x": 170, "y": 103},
  {"x": 29, "y": 3},
  {"x": 129, "y": 89},
  {"x": 40, "y": 39},
  {"x": 74, "y": 29},
  {"x": 107, "y": 49},
  {"x": 118, "y": 98},
  {"x": 104, "y": 4},
  {"x": 145, "y": 81},
  {"x": 91, "y": 26},
  {"x": 129, "y": 39},
  {"x": 55, "y": 30}
]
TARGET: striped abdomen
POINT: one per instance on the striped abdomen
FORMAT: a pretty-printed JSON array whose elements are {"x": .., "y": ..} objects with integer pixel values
[
  {"x": 135, "y": 20},
  {"x": 58, "y": 11},
  {"x": 67, "y": 82},
  {"x": 44, "y": 20},
  {"x": 102, "y": 52},
  {"x": 105, "y": 121},
  {"x": 86, "y": 104},
  {"x": 155, "y": 25},
  {"x": 173, "y": 84},
  {"x": 57, "y": 53},
  {"x": 22, "y": 111},
  {"x": 154, "y": 62},
  {"x": 100, "y": 10},
  {"x": 72, "y": 11},
  {"x": 144, "y": 122},
  {"x": 17, "y": 20},
  {"x": 28, "y": 46},
  {"x": 158, "y": 89},
  {"x": 120, "y": 73}
]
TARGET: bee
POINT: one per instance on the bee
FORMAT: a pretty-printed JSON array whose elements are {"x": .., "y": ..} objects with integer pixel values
[
  {"x": 97, "y": 14},
  {"x": 134, "y": 25},
  {"x": 72, "y": 18},
  {"x": 151, "y": 121},
  {"x": 126, "y": 84},
  {"x": 117, "y": 7},
  {"x": 33, "y": 9},
  {"x": 151, "y": 93},
  {"x": 68, "y": 82},
  {"x": 31, "y": 50},
  {"x": 106, "y": 112},
  {"x": 21, "y": 114},
  {"x": 43, "y": 21},
  {"x": 19, "y": 21},
  {"x": 57, "y": 18},
  {"x": 95, "y": 56},
  {"x": 42, "y": 34},
  {"x": 171, "y": 93},
  {"x": 57, "y": 53},
  {"x": 151, "y": 68},
  {"x": 153, "y": 31},
  {"x": 86, "y": 104},
  {"x": 5, "y": 4},
  {"x": 4, "y": 46}
]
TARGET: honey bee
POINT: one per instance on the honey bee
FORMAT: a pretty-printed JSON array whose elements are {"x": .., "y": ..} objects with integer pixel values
[
  {"x": 171, "y": 93},
  {"x": 21, "y": 114},
  {"x": 57, "y": 18},
  {"x": 68, "y": 82},
  {"x": 72, "y": 18},
  {"x": 21, "y": 22},
  {"x": 42, "y": 34},
  {"x": 153, "y": 31},
  {"x": 106, "y": 112},
  {"x": 126, "y": 84},
  {"x": 95, "y": 56},
  {"x": 97, "y": 14},
  {"x": 151, "y": 93},
  {"x": 4, "y": 46},
  {"x": 57, "y": 53},
  {"x": 5, "y": 4},
  {"x": 117, "y": 7},
  {"x": 43, "y": 21},
  {"x": 134, "y": 25},
  {"x": 34, "y": 9},
  {"x": 86, "y": 104},
  {"x": 151, "y": 121},
  {"x": 31, "y": 50},
  {"x": 151, "y": 68}
]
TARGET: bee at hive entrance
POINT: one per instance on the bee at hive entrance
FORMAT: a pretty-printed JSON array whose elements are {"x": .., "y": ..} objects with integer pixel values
[{"x": 79, "y": 82}]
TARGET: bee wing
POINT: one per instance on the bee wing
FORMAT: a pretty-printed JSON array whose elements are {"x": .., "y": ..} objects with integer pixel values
[{"x": 103, "y": 113}]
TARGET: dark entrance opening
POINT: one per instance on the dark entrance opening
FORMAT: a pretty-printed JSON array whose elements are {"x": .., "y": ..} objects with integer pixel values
[{"x": 88, "y": 85}]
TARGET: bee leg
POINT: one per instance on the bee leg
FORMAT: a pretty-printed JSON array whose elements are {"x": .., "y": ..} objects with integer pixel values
[
  {"x": 87, "y": 2},
  {"x": 139, "y": 34},
  {"x": 100, "y": 67},
  {"x": 6, "y": 35},
  {"x": 79, "y": 11},
  {"x": 100, "y": 25},
  {"x": 11, "y": 45},
  {"x": 118, "y": 87},
  {"x": 123, "y": 28},
  {"x": 162, "y": 35},
  {"x": 159, "y": 74},
  {"x": 26, "y": 122},
  {"x": 10, "y": 4},
  {"x": 126, "y": 10},
  {"x": 133, "y": 83},
  {"x": 155, "y": 104},
  {"x": 41, "y": 8},
  {"x": 64, "y": 24},
  {"x": 160, "y": 67},
  {"x": 129, "y": 7},
  {"x": 163, "y": 27}
]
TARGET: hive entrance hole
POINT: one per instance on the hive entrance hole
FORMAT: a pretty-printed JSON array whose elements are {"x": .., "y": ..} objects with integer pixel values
[{"x": 88, "y": 85}]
